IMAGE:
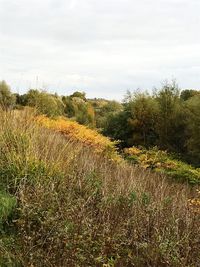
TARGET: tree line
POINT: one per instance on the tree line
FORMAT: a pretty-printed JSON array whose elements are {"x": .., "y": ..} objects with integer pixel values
[{"x": 167, "y": 118}]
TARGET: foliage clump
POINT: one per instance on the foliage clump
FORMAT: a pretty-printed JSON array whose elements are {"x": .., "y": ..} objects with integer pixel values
[
  {"x": 82, "y": 134},
  {"x": 162, "y": 162}
]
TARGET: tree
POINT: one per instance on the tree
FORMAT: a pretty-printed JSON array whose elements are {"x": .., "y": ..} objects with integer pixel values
[
  {"x": 188, "y": 93},
  {"x": 7, "y": 99},
  {"x": 31, "y": 97},
  {"x": 143, "y": 110},
  {"x": 45, "y": 103},
  {"x": 78, "y": 94},
  {"x": 170, "y": 124},
  {"x": 85, "y": 114},
  {"x": 20, "y": 99},
  {"x": 193, "y": 128},
  {"x": 79, "y": 109},
  {"x": 117, "y": 128},
  {"x": 135, "y": 123},
  {"x": 104, "y": 109}
]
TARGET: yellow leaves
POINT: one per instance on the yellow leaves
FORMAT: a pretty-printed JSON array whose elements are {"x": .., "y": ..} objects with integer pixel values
[
  {"x": 162, "y": 162},
  {"x": 195, "y": 203},
  {"x": 169, "y": 164},
  {"x": 80, "y": 133},
  {"x": 132, "y": 151}
]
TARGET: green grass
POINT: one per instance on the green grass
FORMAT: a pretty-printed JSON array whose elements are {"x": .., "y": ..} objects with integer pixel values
[{"x": 8, "y": 204}]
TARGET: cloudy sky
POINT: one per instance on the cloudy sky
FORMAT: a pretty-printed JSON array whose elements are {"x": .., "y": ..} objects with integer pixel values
[{"x": 103, "y": 47}]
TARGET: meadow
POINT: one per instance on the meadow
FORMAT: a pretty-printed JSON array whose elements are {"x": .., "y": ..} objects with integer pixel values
[{"x": 65, "y": 204}]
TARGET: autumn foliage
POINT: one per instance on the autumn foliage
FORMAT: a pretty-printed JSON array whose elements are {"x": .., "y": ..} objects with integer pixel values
[
  {"x": 164, "y": 163},
  {"x": 77, "y": 132}
]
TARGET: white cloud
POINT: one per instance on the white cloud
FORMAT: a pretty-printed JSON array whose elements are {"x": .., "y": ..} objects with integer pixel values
[
  {"x": 103, "y": 47},
  {"x": 73, "y": 4}
]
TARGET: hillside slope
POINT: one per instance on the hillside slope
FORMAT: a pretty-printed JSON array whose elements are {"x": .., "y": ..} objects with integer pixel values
[{"x": 64, "y": 204}]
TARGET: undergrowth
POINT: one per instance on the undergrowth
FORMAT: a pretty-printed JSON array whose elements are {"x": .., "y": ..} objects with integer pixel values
[{"x": 161, "y": 162}]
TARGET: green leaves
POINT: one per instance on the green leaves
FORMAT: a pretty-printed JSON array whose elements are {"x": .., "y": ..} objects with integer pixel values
[{"x": 8, "y": 204}]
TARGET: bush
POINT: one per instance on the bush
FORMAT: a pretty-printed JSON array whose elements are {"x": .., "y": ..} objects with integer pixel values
[
  {"x": 7, "y": 100},
  {"x": 161, "y": 162}
]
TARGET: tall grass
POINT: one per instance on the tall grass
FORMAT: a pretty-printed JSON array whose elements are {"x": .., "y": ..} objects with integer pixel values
[{"x": 74, "y": 207}]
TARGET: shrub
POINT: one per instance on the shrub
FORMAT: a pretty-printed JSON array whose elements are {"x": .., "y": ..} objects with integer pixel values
[
  {"x": 161, "y": 162},
  {"x": 82, "y": 134}
]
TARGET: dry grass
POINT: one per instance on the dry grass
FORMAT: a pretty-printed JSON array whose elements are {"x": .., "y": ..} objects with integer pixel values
[{"x": 78, "y": 208}]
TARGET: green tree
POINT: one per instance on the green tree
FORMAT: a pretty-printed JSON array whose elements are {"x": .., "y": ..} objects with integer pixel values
[
  {"x": 85, "y": 114},
  {"x": 31, "y": 98},
  {"x": 135, "y": 123},
  {"x": 20, "y": 99},
  {"x": 69, "y": 107},
  {"x": 79, "y": 109},
  {"x": 193, "y": 128},
  {"x": 103, "y": 112},
  {"x": 7, "y": 99},
  {"x": 45, "y": 103},
  {"x": 170, "y": 123},
  {"x": 117, "y": 128},
  {"x": 188, "y": 93},
  {"x": 78, "y": 94},
  {"x": 143, "y": 110}
]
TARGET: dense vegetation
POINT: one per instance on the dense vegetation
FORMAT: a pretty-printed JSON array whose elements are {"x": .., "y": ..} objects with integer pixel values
[
  {"x": 70, "y": 196},
  {"x": 64, "y": 204},
  {"x": 161, "y": 162},
  {"x": 168, "y": 118}
]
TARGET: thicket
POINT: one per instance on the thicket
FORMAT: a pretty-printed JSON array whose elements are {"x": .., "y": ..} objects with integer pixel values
[
  {"x": 63, "y": 204},
  {"x": 164, "y": 163},
  {"x": 168, "y": 119}
]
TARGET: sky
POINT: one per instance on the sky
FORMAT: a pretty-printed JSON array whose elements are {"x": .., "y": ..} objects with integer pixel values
[{"x": 102, "y": 47}]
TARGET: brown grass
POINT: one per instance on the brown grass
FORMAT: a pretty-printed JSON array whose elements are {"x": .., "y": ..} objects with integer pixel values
[{"x": 78, "y": 208}]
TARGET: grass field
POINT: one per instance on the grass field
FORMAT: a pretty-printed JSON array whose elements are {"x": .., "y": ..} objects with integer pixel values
[{"x": 62, "y": 203}]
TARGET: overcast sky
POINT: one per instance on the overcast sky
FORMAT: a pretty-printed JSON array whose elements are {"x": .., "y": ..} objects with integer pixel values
[{"x": 102, "y": 47}]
